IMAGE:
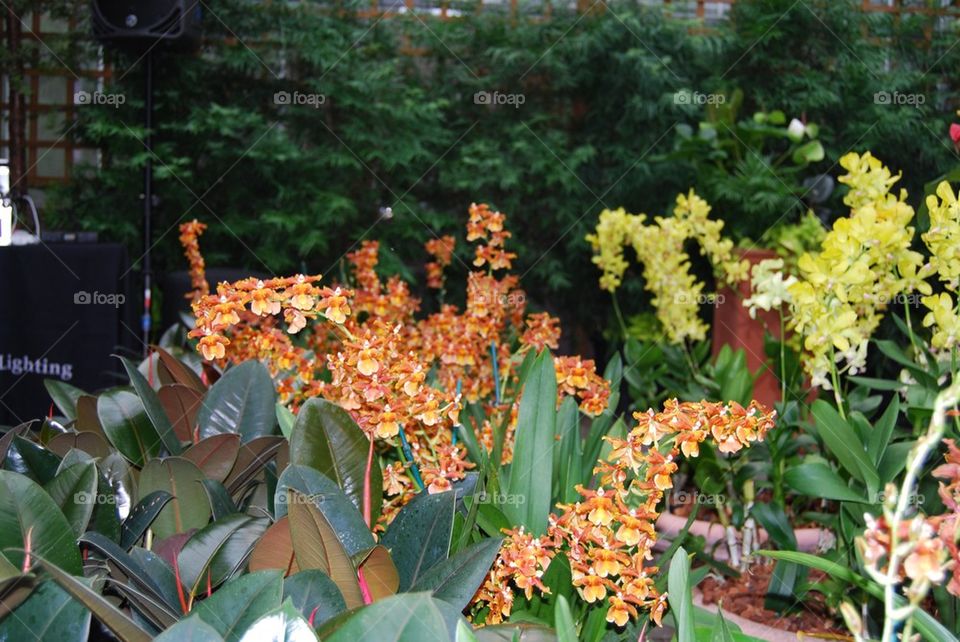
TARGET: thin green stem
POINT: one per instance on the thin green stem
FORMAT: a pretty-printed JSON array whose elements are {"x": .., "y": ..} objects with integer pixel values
[
  {"x": 836, "y": 386},
  {"x": 619, "y": 315}
]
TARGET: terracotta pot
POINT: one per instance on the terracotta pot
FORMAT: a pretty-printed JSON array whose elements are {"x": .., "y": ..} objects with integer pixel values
[{"x": 733, "y": 326}]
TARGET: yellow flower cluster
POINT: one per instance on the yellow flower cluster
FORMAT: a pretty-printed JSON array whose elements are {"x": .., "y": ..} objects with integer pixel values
[
  {"x": 943, "y": 239},
  {"x": 865, "y": 263},
  {"x": 659, "y": 246}
]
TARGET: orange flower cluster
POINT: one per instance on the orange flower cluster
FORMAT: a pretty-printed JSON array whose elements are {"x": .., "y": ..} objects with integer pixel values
[
  {"x": 487, "y": 225},
  {"x": 441, "y": 249},
  {"x": 366, "y": 351},
  {"x": 578, "y": 378},
  {"x": 189, "y": 233},
  {"x": 948, "y": 524},
  {"x": 608, "y": 537}
]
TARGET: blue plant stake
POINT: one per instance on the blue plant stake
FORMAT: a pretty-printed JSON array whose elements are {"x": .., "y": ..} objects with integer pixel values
[
  {"x": 414, "y": 469},
  {"x": 496, "y": 372}
]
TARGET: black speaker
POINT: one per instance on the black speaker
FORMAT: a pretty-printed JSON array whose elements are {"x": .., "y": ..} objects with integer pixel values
[{"x": 139, "y": 25}]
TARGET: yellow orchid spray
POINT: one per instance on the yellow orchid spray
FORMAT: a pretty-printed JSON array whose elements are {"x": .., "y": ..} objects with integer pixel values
[{"x": 659, "y": 247}]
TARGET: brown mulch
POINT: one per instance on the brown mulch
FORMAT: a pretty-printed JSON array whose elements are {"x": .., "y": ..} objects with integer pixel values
[{"x": 744, "y": 596}]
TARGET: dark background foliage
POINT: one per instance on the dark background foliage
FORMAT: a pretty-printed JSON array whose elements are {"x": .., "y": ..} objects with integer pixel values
[{"x": 288, "y": 188}]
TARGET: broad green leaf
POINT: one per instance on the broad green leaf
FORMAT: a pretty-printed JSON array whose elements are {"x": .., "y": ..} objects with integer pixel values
[
  {"x": 281, "y": 625},
  {"x": 230, "y": 560},
  {"x": 894, "y": 460},
  {"x": 819, "y": 480},
  {"x": 242, "y": 402},
  {"x": 142, "y": 515},
  {"x": 242, "y": 601},
  {"x": 112, "y": 617},
  {"x": 419, "y": 536},
  {"x": 315, "y": 595},
  {"x": 153, "y": 408},
  {"x": 285, "y": 419},
  {"x": 568, "y": 453},
  {"x": 189, "y": 507},
  {"x": 221, "y": 504},
  {"x": 251, "y": 459},
  {"x": 127, "y": 426},
  {"x": 563, "y": 621},
  {"x": 191, "y": 629},
  {"x": 30, "y": 459},
  {"x": 456, "y": 579},
  {"x": 134, "y": 581},
  {"x": 842, "y": 441},
  {"x": 48, "y": 615},
  {"x": 680, "y": 596},
  {"x": 411, "y": 616},
  {"x": 316, "y": 545},
  {"x": 27, "y": 513},
  {"x": 883, "y": 430},
  {"x": 197, "y": 554},
  {"x": 64, "y": 395},
  {"x": 74, "y": 490},
  {"x": 339, "y": 511},
  {"x": 326, "y": 438},
  {"x": 774, "y": 520},
  {"x": 531, "y": 472},
  {"x": 721, "y": 632}
]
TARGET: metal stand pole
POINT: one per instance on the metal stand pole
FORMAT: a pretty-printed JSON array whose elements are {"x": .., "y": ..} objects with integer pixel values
[{"x": 146, "y": 321}]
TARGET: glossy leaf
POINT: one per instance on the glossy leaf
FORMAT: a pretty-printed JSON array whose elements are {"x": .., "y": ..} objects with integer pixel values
[
  {"x": 27, "y": 511},
  {"x": 173, "y": 370},
  {"x": 316, "y": 545},
  {"x": 127, "y": 426},
  {"x": 215, "y": 456},
  {"x": 883, "y": 430},
  {"x": 275, "y": 549},
  {"x": 315, "y": 595},
  {"x": 531, "y": 473},
  {"x": 112, "y": 617},
  {"x": 456, "y": 579},
  {"x": 64, "y": 395},
  {"x": 410, "y": 616},
  {"x": 153, "y": 408},
  {"x": 189, "y": 507},
  {"x": 563, "y": 621},
  {"x": 74, "y": 490},
  {"x": 221, "y": 504},
  {"x": 419, "y": 536},
  {"x": 238, "y": 604},
  {"x": 30, "y": 459},
  {"x": 379, "y": 572},
  {"x": 191, "y": 629},
  {"x": 87, "y": 419},
  {"x": 181, "y": 404},
  {"x": 326, "y": 438},
  {"x": 282, "y": 625},
  {"x": 241, "y": 402},
  {"x": 197, "y": 554},
  {"x": 251, "y": 459},
  {"x": 89, "y": 442},
  {"x": 142, "y": 515},
  {"x": 330, "y": 500},
  {"x": 50, "y": 614},
  {"x": 232, "y": 557}
]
